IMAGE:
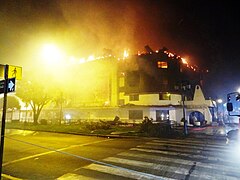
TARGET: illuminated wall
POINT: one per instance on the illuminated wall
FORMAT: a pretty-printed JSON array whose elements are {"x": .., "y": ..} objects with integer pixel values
[{"x": 95, "y": 84}]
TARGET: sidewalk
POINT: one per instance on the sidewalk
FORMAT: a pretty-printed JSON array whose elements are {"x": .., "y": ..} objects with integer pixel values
[{"x": 214, "y": 132}]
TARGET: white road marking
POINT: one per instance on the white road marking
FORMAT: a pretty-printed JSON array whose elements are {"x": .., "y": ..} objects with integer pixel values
[
  {"x": 189, "y": 149},
  {"x": 123, "y": 173},
  {"x": 185, "y": 154},
  {"x": 10, "y": 177},
  {"x": 148, "y": 165},
  {"x": 53, "y": 151},
  {"x": 194, "y": 146},
  {"x": 71, "y": 176},
  {"x": 214, "y": 167},
  {"x": 143, "y": 160}
]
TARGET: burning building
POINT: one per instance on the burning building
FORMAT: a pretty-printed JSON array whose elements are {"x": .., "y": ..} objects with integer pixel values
[
  {"x": 155, "y": 73},
  {"x": 147, "y": 84}
]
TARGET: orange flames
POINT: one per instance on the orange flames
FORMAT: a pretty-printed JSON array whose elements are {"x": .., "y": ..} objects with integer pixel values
[{"x": 73, "y": 60}]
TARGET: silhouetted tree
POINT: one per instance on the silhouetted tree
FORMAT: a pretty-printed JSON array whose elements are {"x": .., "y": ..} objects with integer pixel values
[
  {"x": 35, "y": 94},
  {"x": 12, "y": 103}
]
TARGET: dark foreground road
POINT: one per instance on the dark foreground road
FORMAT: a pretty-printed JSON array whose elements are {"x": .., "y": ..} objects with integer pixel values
[{"x": 39, "y": 155}]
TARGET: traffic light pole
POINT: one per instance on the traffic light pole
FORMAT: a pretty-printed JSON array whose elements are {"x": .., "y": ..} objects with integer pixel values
[
  {"x": 182, "y": 87},
  {"x": 185, "y": 128},
  {"x": 4, "y": 116}
]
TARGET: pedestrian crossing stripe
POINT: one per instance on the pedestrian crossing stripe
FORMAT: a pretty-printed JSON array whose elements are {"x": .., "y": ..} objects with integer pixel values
[
  {"x": 176, "y": 171},
  {"x": 124, "y": 173},
  {"x": 147, "y": 165},
  {"x": 191, "y": 149},
  {"x": 214, "y": 167},
  {"x": 148, "y": 161},
  {"x": 186, "y": 155},
  {"x": 192, "y": 143},
  {"x": 72, "y": 176}
]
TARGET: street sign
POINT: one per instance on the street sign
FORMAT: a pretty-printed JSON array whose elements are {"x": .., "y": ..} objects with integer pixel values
[
  {"x": 11, "y": 85},
  {"x": 6, "y": 86},
  {"x": 13, "y": 72}
]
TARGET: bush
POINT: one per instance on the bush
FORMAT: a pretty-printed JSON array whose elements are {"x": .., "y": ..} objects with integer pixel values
[
  {"x": 97, "y": 125},
  {"x": 146, "y": 125},
  {"x": 43, "y": 121},
  {"x": 156, "y": 130}
]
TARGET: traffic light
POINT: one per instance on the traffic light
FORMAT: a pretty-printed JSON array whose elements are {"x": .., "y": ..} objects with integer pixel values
[
  {"x": 233, "y": 104},
  {"x": 229, "y": 107}
]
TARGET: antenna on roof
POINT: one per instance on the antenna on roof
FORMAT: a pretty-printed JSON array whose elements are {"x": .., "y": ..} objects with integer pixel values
[{"x": 148, "y": 49}]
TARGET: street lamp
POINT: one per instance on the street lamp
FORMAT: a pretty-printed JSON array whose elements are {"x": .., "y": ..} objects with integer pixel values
[
  {"x": 219, "y": 102},
  {"x": 61, "y": 107},
  {"x": 238, "y": 90},
  {"x": 53, "y": 58},
  {"x": 51, "y": 54},
  {"x": 183, "y": 87}
]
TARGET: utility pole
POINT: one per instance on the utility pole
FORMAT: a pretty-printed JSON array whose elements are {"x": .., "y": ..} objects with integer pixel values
[
  {"x": 7, "y": 85},
  {"x": 182, "y": 88},
  {"x": 4, "y": 115},
  {"x": 185, "y": 129},
  {"x": 61, "y": 107}
]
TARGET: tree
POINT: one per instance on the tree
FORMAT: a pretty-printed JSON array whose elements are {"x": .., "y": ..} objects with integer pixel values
[
  {"x": 35, "y": 94},
  {"x": 59, "y": 100},
  {"x": 12, "y": 103}
]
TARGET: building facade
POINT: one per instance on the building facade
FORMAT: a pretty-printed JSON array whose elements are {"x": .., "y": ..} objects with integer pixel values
[{"x": 148, "y": 84}]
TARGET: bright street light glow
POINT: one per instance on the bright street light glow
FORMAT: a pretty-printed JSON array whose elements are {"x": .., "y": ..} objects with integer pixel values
[
  {"x": 51, "y": 54},
  {"x": 219, "y": 101},
  {"x": 238, "y": 90},
  {"x": 68, "y": 116}
]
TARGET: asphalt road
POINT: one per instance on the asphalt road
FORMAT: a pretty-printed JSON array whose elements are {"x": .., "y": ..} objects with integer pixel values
[{"x": 40, "y": 155}]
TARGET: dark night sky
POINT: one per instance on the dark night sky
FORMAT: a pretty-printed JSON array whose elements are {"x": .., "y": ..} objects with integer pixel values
[{"x": 205, "y": 32}]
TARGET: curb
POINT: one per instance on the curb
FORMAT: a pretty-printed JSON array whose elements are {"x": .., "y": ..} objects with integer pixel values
[{"x": 190, "y": 135}]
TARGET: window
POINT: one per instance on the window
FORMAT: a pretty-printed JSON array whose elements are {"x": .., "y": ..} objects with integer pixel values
[
  {"x": 121, "y": 82},
  {"x": 134, "y": 97},
  {"x": 164, "y": 96},
  {"x": 162, "y": 65},
  {"x": 133, "y": 79},
  {"x": 135, "y": 114},
  {"x": 162, "y": 115}
]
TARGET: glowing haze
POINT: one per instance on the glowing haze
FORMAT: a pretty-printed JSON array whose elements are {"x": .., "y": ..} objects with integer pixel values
[
  {"x": 85, "y": 27},
  {"x": 82, "y": 27}
]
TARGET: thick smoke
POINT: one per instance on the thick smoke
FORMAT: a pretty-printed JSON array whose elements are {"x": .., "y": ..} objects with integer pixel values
[{"x": 83, "y": 27}]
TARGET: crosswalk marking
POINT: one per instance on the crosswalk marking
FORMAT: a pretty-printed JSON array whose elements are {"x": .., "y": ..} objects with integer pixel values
[
  {"x": 194, "y": 145},
  {"x": 147, "y": 165},
  {"x": 185, "y": 154},
  {"x": 154, "y": 157},
  {"x": 200, "y": 165},
  {"x": 181, "y": 161},
  {"x": 166, "y": 168},
  {"x": 191, "y": 140},
  {"x": 169, "y": 159},
  {"x": 124, "y": 173},
  {"x": 72, "y": 176},
  {"x": 183, "y": 149}
]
